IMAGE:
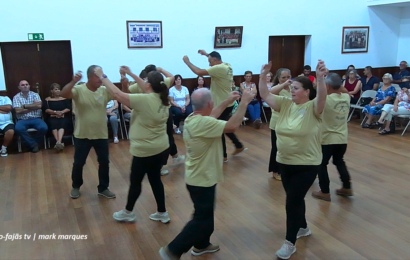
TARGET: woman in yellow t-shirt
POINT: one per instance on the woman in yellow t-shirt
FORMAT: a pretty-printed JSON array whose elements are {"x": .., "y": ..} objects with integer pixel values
[
  {"x": 299, "y": 147},
  {"x": 148, "y": 138},
  {"x": 281, "y": 87}
]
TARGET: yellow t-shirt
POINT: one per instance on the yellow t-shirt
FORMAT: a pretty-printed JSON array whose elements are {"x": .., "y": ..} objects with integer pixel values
[
  {"x": 334, "y": 128},
  {"x": 90, "y": 112},
  {"x": 298, "y": 132},
  {"x": 135, "y": 89},
  {"x": 221, "y": 82},
  {"x": 204, "y": 155},
  {"x": 275, "y": 115},
  {"x": 148, "y": 135}
]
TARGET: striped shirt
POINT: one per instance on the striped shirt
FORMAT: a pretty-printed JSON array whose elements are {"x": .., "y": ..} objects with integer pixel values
[{"x": 19, "y": 100}]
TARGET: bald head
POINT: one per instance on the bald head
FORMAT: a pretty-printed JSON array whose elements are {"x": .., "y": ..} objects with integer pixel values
[{"x": 200, "y": 99}]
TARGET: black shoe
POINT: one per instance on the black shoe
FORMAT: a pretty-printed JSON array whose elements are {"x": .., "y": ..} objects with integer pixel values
[{"x": 35, "y": 149}]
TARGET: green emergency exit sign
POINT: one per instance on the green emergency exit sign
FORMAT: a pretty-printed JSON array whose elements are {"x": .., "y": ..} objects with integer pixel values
[{"x": 36, "y": 36}]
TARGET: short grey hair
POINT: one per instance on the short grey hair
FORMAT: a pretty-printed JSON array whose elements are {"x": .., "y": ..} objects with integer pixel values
[
  {"x": 389, "y": 76},
  {"x": 90, "y": 70},
  {"x": 333, "y": 80},
  {"x": 200, "y": 98}
]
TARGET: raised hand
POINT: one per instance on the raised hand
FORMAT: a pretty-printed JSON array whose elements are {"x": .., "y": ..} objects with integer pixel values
[
  {"x": 266, "y": 69},
  {"x": 287, "y": 83},
  {"x": 247, "y": 96},
  {"x": 98, "y": 71},
  {"x": 234, "y": 96},
  {"x": 202, "y": 52},
  {"x": 77, "y": 77},
  {"x": 321, "y": 70},
  {"x": 126, "y": 69},
  {"x": 185, "y": 59}
]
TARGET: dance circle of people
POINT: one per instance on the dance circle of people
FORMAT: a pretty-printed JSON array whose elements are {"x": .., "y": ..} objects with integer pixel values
[{"x": 308, "y": 127}]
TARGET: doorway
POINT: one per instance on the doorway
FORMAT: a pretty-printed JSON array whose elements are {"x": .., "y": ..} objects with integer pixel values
[
  {"x": 40, "y": 63},
  {"x": 287, "y": 52}
]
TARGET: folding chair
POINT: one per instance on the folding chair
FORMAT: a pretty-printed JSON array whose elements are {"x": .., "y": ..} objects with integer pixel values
[
  {"x": 124, "y": 122},
  {"x": 366, "y": 94}
]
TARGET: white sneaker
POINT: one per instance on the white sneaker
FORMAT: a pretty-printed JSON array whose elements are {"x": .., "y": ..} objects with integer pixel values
[
  {"x": 303, "y": 232},
  {"x": 163, "y": 217},
  {"x": 177, "y": 131},
  {"x": 3, "y": 152},
  {"x": 286, "y": 251},
  {"x": 124, "y": 216},
  {"x": 178, "y": 159},
  {"x": 164, "y": 172},
  {"x": 116, "y": 141}
]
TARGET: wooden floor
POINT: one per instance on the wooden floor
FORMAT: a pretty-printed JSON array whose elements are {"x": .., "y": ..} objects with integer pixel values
[{"x": 250, "y": 212}]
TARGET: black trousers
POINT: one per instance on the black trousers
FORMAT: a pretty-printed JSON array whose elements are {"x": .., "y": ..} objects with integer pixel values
[
  {"x": 198, "y": 231},
  {"x": 336, "y": 151},
  {"x": 225, "y": 116},
  {"x": 170, "y": 132},
  {"x": 273, "y": 164},
  {"x": 152, "y": 167},
  {"x": 296, "y": 180},
  {"x": 82, "y": 149}
]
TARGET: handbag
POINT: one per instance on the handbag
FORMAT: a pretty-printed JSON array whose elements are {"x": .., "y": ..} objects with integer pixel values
[{"x": 365, "y": 101}]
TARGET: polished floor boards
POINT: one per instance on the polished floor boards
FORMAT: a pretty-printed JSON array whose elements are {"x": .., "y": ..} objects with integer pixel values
[{"x": 250, "y": 212}]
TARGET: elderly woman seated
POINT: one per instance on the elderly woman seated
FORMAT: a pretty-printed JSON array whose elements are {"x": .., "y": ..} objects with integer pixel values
[
  {"x": 385, "y": 95},
  {"x": 401, "y": 107}
]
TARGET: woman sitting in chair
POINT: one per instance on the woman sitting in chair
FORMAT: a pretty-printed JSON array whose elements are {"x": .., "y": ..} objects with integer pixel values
[
  {"x": 112, "y": 117},
  {"x": 56, "y": 108},
  {"x": 254, "y": 108},
  {"x": 401, "y": 107},
  {"x": 353, "y": 86},
  {"x": 180, "y": 101},
  {"x": 385, "y": 95}
]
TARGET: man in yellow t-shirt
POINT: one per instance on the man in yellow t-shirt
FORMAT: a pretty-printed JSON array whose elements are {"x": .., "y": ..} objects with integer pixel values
[
  {"x": 90, "y": 129},
  {"x": 203, "y": 169},
  {"x": 334, "y": 138},
  {"x": 221, "y": 85}
]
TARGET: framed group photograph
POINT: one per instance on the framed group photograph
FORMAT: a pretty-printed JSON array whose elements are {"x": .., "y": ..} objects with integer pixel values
[
  {"x": 228, "y": 37},
  {"x": 355, "y": 39},
  {"x": 144, "y": 34}
]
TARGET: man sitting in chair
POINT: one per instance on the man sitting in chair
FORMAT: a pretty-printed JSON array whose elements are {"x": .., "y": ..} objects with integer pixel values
[{"x": 28, "y": 111}]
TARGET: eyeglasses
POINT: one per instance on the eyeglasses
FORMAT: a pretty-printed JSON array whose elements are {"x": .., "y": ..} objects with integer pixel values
[{"x": 24, "y": 85}]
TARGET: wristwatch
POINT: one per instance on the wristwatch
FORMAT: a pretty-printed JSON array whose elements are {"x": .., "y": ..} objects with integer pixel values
[{"x": 103, "y": 76}]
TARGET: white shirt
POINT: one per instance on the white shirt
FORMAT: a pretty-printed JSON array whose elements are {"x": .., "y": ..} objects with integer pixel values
[
  {"x": 5, "y": 119},
  {"x": 179, "y": 96}
]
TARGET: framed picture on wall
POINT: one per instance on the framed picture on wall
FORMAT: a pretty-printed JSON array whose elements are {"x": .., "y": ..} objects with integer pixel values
[
  {"x": 355, "y": 39},
  {"x": 144, "y": 34},
  {"x": 228, "y": 37}
]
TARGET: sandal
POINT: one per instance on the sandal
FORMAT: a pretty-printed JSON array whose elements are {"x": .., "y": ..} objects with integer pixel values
[
  {"x": 384, "y": 132},
  {"x": 378, "y": 123},
  {"x": 366, "y": 125}
]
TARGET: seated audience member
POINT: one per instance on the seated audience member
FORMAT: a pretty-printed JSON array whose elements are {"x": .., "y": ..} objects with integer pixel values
[
  {"x": 112, "y": 117},
  {"x": 28, "y": 111},
  {"x": 235, "y": 88},
  {"x": 269, "y": 83},
  {"x": 369, "y": 82},
  {"x": 401, "y": 76},
  {"x": 385, "y": 95},
  {"x": 127, "y": 114},
  {"x": 6, "y": 123},
  {"x": 180, "y": 102},
  {"x": 201, "y": 83},
  {"x": 401, "y": 106},
  {"x": 307, "y": 70},
  {"x": 346, "y": 75},
  {"x": 353, "y": 86},
  {"x": 254, "y": 108},
  {"x": 56, "y": 108}
]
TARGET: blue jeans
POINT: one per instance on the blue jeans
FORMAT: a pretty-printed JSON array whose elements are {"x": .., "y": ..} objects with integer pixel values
[
  {"x": 254, "y": 111},
  {"x": 114, "y": 124},
  {"x": 82, "y": 148},
  {"x": 36, "y": 123},
  {"x": 178, "y": 115}
]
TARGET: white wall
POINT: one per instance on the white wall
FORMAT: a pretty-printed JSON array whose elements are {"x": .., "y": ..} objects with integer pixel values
[
  {"x": 386, "y": 2},
  {"x": 403, "y": 52},
  {"x": 97, "y": 30}
]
